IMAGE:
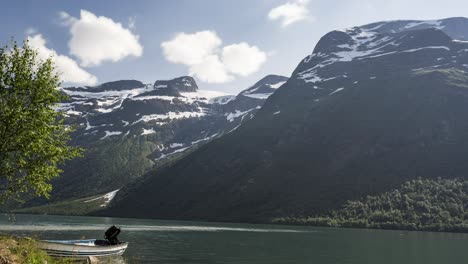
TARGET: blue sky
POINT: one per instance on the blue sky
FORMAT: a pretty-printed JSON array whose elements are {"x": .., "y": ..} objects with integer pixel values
[{"x": 242, "y": 36}]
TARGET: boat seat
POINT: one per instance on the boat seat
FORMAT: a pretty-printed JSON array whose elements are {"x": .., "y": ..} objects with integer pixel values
[{"x": 100, "y": 242}]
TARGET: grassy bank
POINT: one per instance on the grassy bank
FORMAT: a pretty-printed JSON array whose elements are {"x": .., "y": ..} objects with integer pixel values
[
  {"x": 81, "y": 206},
  {"x": 22, "y": 250},
  {"x": 16, "y": 250}
]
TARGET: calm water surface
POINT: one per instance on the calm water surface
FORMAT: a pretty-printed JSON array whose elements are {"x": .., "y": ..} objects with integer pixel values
[{"x": 153, "y": 241}]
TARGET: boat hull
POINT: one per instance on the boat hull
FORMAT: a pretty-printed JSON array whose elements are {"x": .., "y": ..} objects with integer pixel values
[{"x": 80, "y": 248}]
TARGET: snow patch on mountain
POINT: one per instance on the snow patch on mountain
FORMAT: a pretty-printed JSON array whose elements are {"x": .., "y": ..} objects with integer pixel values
[
  {"x": 204, "y": 96},
  {"x": 430, "y": 47},
  {"x": 433, "y": 23},
  {"x": 88, "y": 125},
  {"x": 111, "y": 133},
  {"x": 259, "y": 95},
  {"x": 89, "y": 93},
  {"x": 176, "y": 145},
  {"x": 148, "y": 131},
  {"x": 108, "y": 197},
  {"x": 171, "y": 153},
  {"x": 169, "y": 116},
  {"x": 276, "y": 85},
  {"x": 119, "y": 103},
  {"x": 73, "y": 112},
  {"x": 222, "y": 100},
  {"x": 154, "y": 97},
  {"x": 232, "y": 116},
  {"x": 204, "y": 139},
  {"x": 337, "y": 90}
]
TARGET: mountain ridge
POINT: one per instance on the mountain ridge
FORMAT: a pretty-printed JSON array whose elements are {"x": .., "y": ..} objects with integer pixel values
[
  {"x": 127, "y": 127},
  {"x": 374, "y": 110}
]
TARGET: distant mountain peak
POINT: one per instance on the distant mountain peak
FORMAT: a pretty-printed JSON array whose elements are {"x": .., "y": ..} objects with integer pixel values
[
  {"x": 180, "y": 84},
  {"x": 272, "y": 79},
  {"x": 341, "y": 56},
  {"x": 265, "y": 87},
  {"x": 122, "y": 85}
]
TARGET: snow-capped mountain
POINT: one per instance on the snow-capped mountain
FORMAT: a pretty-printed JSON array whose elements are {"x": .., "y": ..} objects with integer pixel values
[
  {"x": 131, "y": 108},
  {"x": 127, "y": 127},
  {"x": 411, "y": 45},
  {"x": 371, "y": 107},
  {"x": 455, "y": 28}
]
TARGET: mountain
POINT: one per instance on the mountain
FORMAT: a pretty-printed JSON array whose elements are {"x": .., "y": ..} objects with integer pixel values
[
  {"x": 127, "y": 127},
  {"x": 372, "y": 107}
]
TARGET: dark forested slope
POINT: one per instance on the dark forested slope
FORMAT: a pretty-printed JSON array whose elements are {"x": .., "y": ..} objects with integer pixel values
[{"x": 372, "y": 107}]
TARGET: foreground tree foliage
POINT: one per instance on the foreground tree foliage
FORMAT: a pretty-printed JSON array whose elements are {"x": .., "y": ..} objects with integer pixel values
[
  {"x": 33, "y": 138},
  {"x": 423, "y": 204}
]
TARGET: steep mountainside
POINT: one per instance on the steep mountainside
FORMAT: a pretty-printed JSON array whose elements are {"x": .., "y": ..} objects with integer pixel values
[
  {"x": 127, "y": 127},
  {"x": 370, "y": 108}
]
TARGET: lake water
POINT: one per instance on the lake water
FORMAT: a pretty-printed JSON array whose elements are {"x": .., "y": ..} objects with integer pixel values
[{"x": 153, "y": 241}]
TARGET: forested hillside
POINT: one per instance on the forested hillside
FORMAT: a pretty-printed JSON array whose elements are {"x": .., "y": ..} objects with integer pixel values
[{"x": 422, "y": 204}]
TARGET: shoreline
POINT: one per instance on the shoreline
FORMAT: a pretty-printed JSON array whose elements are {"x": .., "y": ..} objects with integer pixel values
[{"x": 428, "y": 229}]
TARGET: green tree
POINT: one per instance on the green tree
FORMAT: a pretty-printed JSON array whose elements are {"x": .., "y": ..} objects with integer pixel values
[{"x": 33, "y": 138}]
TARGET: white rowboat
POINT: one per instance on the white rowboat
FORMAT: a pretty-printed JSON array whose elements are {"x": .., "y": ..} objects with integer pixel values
[{"x": 81, "y": 248}]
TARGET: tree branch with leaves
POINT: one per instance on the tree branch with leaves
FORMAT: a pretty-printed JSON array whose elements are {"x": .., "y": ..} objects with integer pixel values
[{"x": 33, "y": 137}]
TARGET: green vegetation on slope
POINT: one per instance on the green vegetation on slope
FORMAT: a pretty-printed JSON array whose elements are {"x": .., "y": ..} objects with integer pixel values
[
  {"x": 455, "y": 77},
  {"x": 91, "y": 204},
  {"x": 81, "y": 206},
  {"x": 106, "y": 166},
  {"x": 422, "y": 204}
]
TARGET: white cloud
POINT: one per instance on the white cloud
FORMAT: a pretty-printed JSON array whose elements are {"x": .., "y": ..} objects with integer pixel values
[
  {"x": 208, "y": 61},
  {"x": 243, "y": 59},
  {"x": 291, "y": 12},
  {"x": 66, "y": 19},
  {"x": 67, "y": 67},
  {"x": 211, "y": 70},
  {"x": 191, "y": 49},
  {"x": 98, "y": 39}
]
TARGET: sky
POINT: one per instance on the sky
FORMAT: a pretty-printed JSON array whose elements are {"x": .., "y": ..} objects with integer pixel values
[{"x": 225, "y": 45}]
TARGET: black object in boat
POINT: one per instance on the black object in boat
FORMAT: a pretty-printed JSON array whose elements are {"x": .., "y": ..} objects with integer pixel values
[{"x": 111, "y": 235}]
